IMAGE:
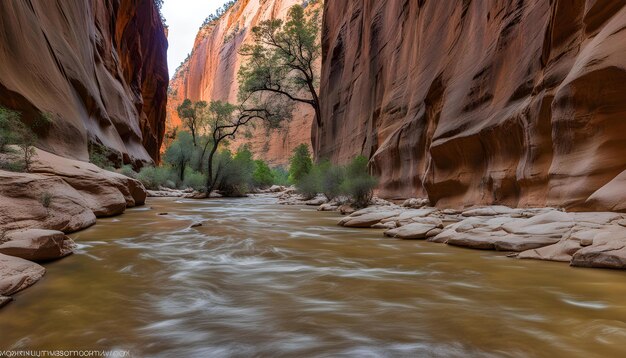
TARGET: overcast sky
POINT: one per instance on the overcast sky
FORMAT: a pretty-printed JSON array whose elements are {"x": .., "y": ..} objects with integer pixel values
[{"x": 184, "y": 17}]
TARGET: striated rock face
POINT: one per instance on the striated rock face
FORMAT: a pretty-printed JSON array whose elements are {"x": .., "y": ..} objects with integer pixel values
[
  {"x": 98, "y": 69},
  {"x": 210, "y": 73},
  {"x": 63, "y": 194},
  {"x": 476, "y": 102}
]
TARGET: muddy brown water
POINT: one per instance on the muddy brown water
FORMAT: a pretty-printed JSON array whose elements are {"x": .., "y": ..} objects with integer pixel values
[{"x": 261, "y": 279}]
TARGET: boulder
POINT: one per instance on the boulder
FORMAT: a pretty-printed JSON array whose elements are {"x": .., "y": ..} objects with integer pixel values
[
  {"x": 37, "y": 245},
  {"x": 607, "y": 254},
  {"x": 346, "y": 209},
  {"x": 518, "y": 243},
  {"x": 411, "y": 231},
  {"x": 17, "y": 274},
  {"x": 327, "y": 207},
  {"x": 366, "y": 220},
  {"x": 317, "y": 201},
  {"x": 470, "y": 241},
  {"x": 561, "y": 251},
  {"x": 113, "y": 193},
  {"x": 34, "y": 200},
  {"x": 276, "y": 188},
  {"x": 492, "y": 211},
  {"x": 415, "y": 203}
]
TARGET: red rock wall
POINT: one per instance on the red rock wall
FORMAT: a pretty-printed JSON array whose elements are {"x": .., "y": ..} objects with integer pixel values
[
  {"x": 211, "y": 74},
  {"x": 98, "y": 67},
  {"x": 480, "y": 101}
]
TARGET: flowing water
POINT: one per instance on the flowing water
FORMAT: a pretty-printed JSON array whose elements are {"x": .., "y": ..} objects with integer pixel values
[{"x": 261, "y": 279}]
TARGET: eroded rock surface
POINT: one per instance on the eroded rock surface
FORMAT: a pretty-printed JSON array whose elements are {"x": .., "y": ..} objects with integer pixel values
[
  {"x": 63, "y": 194},
  {"x": 37, "y": 245},
  {"x": 590, "y": 239},
  {"x": 97, "y": 69},
  {"x": 519, "y": 103},
  {"x": 17, "y": 274}
]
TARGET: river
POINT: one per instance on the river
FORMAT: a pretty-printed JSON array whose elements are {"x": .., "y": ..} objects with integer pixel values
[{"x": 261, "y": 279}]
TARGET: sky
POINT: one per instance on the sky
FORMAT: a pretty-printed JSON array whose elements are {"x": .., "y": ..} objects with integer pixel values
[{"x": 184, "y": 18}]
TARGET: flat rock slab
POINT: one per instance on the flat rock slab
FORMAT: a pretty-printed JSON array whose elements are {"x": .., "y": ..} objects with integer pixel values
[
  {"x": 366, "y": 220},
  {"x": 17, "y": 274},
  {"x": 518, "y": 243},
  {"x": 411, "y": 231},
  {"x": 471, "y": 241},
  {"x": 38, "y": 245},
  {"x": 562, "y": 251}
]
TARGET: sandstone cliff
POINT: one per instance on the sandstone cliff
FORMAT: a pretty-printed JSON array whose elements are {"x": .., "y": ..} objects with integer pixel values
[
  {"x": 475, "y": 102},
  {"x": 97, "y": 68},
  {"x": 210, "y": 73}
]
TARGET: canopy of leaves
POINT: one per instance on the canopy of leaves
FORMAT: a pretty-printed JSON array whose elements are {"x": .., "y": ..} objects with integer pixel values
[{"x": 281, "y": 60}]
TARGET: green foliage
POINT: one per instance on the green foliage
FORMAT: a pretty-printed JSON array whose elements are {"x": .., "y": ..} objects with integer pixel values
[
  {"x": 218, "y": 13},
  {"x": 193, "y": 116},
  {"x": 43, "y": 123},
  {"x": 180, "y": 152},
  {"x": 154, "y": 177},
  {"x": 310, "y": 184},
  {"x": 262, "y": 176},
  {"x": 11, "y": 128},
  {"x": 46, "y": 199},
  {"x": 300, "y": 163},
  {"x": 280, "y": 175},
  {"x": 98, "y": 156},
  {"x": 235, "y": 173},
  {"x": 279, "y": 67},
  {"x": 358, "y": 183},
  {"x": 331, "y": 179},
  {"x": 128, "y": 171},
  {"x": 194, "y": 180},
  {"x": 353, "y": 181},
  {"x": 14, "y": 131}
]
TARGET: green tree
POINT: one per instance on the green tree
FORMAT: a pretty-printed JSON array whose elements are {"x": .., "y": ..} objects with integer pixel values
[
  {"x": 179, "y": 153},
  {"x": 281, "y": 62},
  {"x": 193, "y": 115},
  {"x": 262, "y": 175},
  {"x": 300, "y": 163},
  {"x": 225, "y": 120}
]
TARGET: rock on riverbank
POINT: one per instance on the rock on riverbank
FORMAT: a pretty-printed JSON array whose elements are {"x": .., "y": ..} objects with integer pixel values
[
  {"x": 586, "y": 239},
  {"x": 56, "y": 197}
]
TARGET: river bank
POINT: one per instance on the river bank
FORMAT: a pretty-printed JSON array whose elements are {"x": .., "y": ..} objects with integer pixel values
[
  {"x": 583, "y": 239},
  {"x": 38, "y": 209}
]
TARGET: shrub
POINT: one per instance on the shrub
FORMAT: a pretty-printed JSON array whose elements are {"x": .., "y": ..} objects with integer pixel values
[
  {"x": 9, "y": 120},
  {"x": 331, "y": 179},
  {"x": 128, "y": 171},
  {"x": 358, "y": 183},
  {"x": 235, "y": 173},
  {"x": 14, "y": 131},
  {"x": 310, "y": 184},
  {"x": 280, "y": 175},
  {"x": 155, "y": 177},
  {"x": 300, "y": 163},
  {"x": 194, "y": 180},
  {"x": 46, "y": 199},
  {"x": 98, "y": 156},
  {"x": 262, "y": 176}
]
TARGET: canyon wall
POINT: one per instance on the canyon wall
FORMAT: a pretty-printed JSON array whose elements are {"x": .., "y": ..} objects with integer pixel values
[
  {"x": 210, "y": 73},
  {"x": 480, "y": 101},
  {"x": 97, "y": 70}
]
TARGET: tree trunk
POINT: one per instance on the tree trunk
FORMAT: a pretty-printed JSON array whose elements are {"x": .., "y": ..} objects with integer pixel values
[{"x": 210, "y": 183}]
